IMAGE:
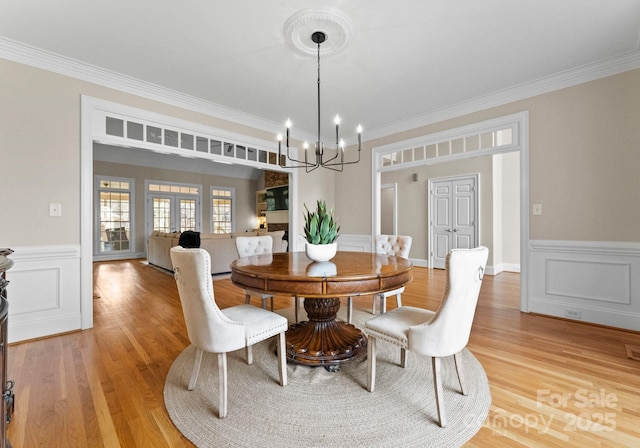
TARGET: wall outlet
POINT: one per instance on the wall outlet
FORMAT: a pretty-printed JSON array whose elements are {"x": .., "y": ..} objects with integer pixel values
[
  {"x": 55, "y": 209},
  {"x": 537, "y": 209},
  {"x": 573, "y": 314}
]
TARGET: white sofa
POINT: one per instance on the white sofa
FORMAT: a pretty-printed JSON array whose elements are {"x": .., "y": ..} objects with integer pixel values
[{"x": 221, "y": 248}]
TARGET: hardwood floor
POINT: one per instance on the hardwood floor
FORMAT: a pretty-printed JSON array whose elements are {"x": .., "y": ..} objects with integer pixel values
[{"x": 553, "y": 382}]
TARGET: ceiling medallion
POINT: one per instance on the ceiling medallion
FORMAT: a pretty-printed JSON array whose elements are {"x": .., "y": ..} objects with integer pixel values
[{"x": 336, "y": 26}]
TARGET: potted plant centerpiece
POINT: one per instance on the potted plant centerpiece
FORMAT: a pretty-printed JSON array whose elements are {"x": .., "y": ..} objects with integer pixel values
[{"x": 320, "y": 231}]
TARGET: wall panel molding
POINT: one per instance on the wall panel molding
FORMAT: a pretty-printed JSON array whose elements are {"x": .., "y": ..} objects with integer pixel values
[
  {"x": 43, "y": 291},
  {"x": 590, "y": 281}
]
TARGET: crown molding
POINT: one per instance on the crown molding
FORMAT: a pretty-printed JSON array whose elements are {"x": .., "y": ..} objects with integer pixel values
[
  {"x": 579, "y": 75},
  {"x": 35, "y": 57}
]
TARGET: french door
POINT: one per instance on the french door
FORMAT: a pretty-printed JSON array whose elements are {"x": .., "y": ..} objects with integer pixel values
[
  {"x": 454, "y": 208},
  {"x": 173, "y": 212}
]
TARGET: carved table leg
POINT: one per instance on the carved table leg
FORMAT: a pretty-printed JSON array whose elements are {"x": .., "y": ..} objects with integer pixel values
[{"x": 322, "y": 340}]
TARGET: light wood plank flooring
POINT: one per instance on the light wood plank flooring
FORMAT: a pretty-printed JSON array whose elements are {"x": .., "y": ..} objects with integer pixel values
[{"x": 553, "y": 382}]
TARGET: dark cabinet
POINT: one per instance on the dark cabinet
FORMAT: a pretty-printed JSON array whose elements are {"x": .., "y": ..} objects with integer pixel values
[{"x": 6, "y": 408}]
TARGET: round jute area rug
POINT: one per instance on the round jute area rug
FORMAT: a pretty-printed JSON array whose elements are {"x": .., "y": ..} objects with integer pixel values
[{"x": 318, "y": 408}]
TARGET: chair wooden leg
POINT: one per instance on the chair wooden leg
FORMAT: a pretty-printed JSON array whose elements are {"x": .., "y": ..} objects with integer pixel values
[
  {"x": 349, "y": 308},
  {"x": 282, "y": 359},
  {"x": 437, "y": 385},
  {"x": 222, "y": 381},
  {"x": 403, "y": 357},
  {"x": 371, "y": 364},
  {"x": 264, "y": 302},
  {"x": 460, "y": 371},
  {"x": 249, "y": 352},
  {"x": 247, "y": 298},
  {"x": 197, "y": 360},
  {"x": 383, "y": 304},
  {"x": 399, "y": 300},
  {"x": 373, "y": 305}
]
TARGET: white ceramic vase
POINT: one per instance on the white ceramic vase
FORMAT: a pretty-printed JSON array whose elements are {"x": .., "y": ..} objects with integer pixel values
[{"x": 321, "y": 252}]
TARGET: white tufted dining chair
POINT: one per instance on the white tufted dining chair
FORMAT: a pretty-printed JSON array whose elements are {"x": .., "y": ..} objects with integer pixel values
[
  {"x": 213, "y": 330},
  {"x": 435, "y": 334},
  {"x": 248, "y": 246},
  {"x": 399, "y": 246}
]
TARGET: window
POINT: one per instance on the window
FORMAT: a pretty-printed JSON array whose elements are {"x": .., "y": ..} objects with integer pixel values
[
  {"x": 222, "y": 209},
  {"x": 482, "y": 138},
  {"x": 114, "y": 214}
]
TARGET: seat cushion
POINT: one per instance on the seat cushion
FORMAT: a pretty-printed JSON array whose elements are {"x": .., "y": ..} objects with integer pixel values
[
  {"x": 393, "y": 326},
  {"x": 259, "y": 324}
]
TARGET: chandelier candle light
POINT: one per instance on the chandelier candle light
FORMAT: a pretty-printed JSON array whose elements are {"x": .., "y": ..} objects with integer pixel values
[{"x": 318, "y": 37}]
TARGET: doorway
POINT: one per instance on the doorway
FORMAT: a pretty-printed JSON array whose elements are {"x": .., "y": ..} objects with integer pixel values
[{"x": 389, "y": 209}]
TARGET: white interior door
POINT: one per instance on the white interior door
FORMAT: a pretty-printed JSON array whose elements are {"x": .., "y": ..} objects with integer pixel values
[{"x": 453, "y": 221}]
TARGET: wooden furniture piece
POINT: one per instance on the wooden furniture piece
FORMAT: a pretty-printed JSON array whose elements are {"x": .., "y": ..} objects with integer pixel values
[
  {"x": 6, "y": 408},
  {"x": 322, "y": 340}
]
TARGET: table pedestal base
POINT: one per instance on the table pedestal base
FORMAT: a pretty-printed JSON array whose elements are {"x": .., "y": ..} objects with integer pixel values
[{"x": 323, "y": 341}]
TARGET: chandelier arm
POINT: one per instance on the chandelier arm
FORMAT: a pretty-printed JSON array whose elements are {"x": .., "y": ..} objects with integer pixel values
[
  {"x": 313, "y": 168},
  {"x": 331, "y": 167},
  {"x": 324, "y": 162},
  {"x": 342, "y": 162}
]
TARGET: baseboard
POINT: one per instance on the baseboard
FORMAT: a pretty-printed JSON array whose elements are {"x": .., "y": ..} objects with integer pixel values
[{"x": 119, "y": 256}]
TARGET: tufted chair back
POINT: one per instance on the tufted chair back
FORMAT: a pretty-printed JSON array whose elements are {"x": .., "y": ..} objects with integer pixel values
[
  {"x": 208, "y": 328},
  {"x": 448, "y": 332},
  {"x": 254, "y": 245},
  {"x": 398, "y": 245}
]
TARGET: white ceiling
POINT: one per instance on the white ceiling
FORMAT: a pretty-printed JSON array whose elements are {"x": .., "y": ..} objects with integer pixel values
[{"x": 405, "y": 60}]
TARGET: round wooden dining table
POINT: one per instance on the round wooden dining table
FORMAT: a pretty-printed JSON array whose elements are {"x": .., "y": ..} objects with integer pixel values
[{"x": 322, "y": 340}]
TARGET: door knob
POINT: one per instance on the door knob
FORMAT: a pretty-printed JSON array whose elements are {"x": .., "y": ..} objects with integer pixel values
[
  {"x": 455, "y": 230},
  {"x": 447, "y": 230}
]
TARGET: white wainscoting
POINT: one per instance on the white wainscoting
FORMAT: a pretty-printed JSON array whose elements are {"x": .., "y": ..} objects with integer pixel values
[
  {"x": 351, "y": 243},
  {"x": 43, "y": 291},
  {"x": 364, "y": 243},
  {"x": 597, "y": 282},
  {"x": 355, "y": 243}
]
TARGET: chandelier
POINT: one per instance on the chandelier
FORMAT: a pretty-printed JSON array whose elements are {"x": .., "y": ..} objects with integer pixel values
[{"x": 334, "y": 158}]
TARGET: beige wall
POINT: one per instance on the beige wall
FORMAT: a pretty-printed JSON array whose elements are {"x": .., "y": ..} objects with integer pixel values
[
  {"x": 510, "y": 208},
  {"x": 583, "y": 162},
  {"x": 583, "y": 156},
  {"x": 40, "y": 148}
]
